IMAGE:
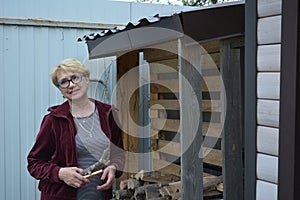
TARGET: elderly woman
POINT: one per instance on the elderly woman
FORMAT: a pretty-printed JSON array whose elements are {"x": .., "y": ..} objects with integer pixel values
[{"x": 74, "y": 136}]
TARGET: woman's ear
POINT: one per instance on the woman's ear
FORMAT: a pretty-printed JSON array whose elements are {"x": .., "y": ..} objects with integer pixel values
[{"x": 87, "y": 80}]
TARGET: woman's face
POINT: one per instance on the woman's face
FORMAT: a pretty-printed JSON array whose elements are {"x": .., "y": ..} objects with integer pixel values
[{"x": 73, "y": 86}]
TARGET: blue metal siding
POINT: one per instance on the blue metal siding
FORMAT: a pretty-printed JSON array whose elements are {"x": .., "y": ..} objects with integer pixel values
[
  {"x": 27, "y": 56},
  {"x": 2, "y": 116}
]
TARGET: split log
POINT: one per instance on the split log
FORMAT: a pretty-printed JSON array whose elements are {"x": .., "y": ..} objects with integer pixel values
[
  {"x": 176, "y": 196},
  {"x": 139, "y": 193},
  {"x": 163, "y": 192},
  {"x": 156, "y": 177},
  {"x": 210, "y": 182},
  {"x": 220, "y": 187},
  {"x": 124, "y": 194},
  {"x": 172, "y": 188},
  {"x": 152, "y": 191},
  {"x": 133, "y": 183},
  {"x": 123, "y": 184}
]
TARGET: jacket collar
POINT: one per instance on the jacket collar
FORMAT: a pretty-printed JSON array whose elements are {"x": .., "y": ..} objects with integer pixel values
[{"x": 63, "y": 110}]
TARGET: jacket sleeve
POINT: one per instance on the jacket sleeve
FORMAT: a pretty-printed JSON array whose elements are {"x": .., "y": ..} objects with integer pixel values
[
  {"x": 39, "y": 157},
  {"x": 117, "y": 149}
]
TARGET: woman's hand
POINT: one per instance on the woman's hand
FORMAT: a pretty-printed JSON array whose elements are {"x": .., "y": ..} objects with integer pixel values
[
  {"x": 109, "y": 173},
  {"x": 71, "y": 176}
]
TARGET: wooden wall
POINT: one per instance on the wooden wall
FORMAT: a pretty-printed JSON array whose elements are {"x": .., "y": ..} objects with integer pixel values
[
  {"x": 268, "y": 90},
  {"x": 127, "y": 104}
]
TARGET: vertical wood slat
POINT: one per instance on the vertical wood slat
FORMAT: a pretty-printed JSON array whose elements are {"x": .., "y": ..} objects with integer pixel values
[
  {"x": 250, "y": 72},
  {"x": 191, "y": 128},
  {"x": 232, "y": 131},
  {"x": 127, "y": 103},
  {"x": 289, "y": 160}
]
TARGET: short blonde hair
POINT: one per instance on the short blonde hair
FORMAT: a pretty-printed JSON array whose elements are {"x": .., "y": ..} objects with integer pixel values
[{"x": 69, "y": 65}]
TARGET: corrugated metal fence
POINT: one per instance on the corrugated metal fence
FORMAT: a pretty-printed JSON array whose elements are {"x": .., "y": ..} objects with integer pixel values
[{"x": 27, "y": 55}]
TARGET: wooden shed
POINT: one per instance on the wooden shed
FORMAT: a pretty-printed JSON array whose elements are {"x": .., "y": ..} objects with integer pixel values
[{"x": 180, "y": 95}]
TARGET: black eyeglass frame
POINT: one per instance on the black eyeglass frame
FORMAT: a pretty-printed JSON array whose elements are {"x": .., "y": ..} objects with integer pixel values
[{"x": 72, "y": 79}]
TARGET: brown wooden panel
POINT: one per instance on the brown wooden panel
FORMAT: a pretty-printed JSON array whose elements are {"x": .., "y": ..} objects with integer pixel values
[
  {"x": 169, "y": 147},
  {"x": 213, "y": 156},
  {"x": 164, "y": 66},
  {"x": 164, "y": 104},
  {"x": 161, "y": 51},
  {"x": 165, "y": 86},
  {"x": 128, "y": 108},
  {"x": 211, "y": 106},
  {"x": 215, "y": 129},
  {"x": 165, "y": 124},
  {"x": 211, "y": 83},
  {"x": 166, "y": 167}
]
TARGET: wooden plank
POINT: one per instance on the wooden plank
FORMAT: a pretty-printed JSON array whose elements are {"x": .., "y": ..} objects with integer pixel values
[
  {"x": 268, "y": 113},
  {"x": 166, "y": 167},
  {"x": 207, "y": 105},
  {"x": 164, "y": 104},
  {"x": 165, "y": 124},
  {"x": 209, "y": 129},
  {"x": 161, "y": 51},
  {"x": 232, "y": 142},
  {"x": 211, "y": 83},
  {"x": 212, "y": 46},
  {"x": 268, "y": 140},
  {"x": 212, "y": 129},
  {"x": 268, "y": 85},
  {"x": 212, "y": 156},
  {"x": 210, "y": 61},
  {"x": 265, "y": 190},
  {"x": 269, "y": 30},
  {"x": 211, "y": 105},
  {"x": 155, "y": 177},
  {"x": 268, "y": 7},
  {"x": 169, "y": 147},
  {"x": 190, "y": 118},
  {"x": 268, "y": 57},
  {"x": 164, "y": 86},
  {"x": 128, "y": 108},
  {"x": 164, "y": 66},
  {"x": 267, "y": 168}
]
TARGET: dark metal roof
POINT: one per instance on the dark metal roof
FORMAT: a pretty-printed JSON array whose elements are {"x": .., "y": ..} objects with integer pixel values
[
  {"x": 206, "y": 23},
  {"x": 142, "y": 22}
]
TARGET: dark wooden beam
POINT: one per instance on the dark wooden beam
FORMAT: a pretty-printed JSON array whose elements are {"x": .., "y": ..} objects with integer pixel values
[
  {"x": 289, "y": 138},
  {"x": 232, "y": 144},
  {"x": 250, "y": 99},
  {"x": 191, "y": 118}
]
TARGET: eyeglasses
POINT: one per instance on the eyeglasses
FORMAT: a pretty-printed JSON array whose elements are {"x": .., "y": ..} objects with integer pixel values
[{"x": 65, "y": 83}]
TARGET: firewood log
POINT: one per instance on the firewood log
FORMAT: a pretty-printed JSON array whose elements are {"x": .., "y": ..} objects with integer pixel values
[{"x": 124, "y": 194}]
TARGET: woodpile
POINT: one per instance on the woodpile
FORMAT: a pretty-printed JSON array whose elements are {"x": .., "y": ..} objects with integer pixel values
[{"x": 159, "y": 186}]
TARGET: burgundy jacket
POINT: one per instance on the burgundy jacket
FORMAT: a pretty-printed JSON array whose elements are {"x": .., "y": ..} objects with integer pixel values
[{"x": 55, "y": 147}]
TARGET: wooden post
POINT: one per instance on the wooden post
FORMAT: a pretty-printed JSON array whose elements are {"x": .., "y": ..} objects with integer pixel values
[
  {"x": 127, "y": 103},
  {"x": 232, "y": 131},
  {"x": 190, "y": 121}
]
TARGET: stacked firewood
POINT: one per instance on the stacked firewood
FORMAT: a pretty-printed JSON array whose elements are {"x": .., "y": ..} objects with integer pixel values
[{"x": 158, "y": 186}]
